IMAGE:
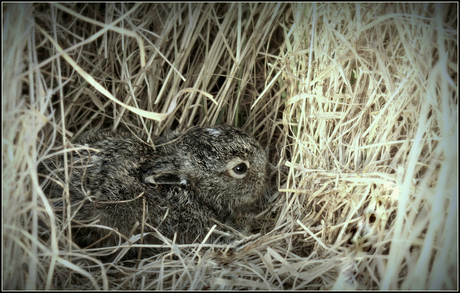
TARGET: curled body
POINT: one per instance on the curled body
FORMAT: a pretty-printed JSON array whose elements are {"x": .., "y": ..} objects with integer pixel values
[{"x": 178, "y": 184}]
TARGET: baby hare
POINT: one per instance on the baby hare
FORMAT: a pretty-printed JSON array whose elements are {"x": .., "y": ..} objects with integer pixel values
[{"x": 177, "y": 185}]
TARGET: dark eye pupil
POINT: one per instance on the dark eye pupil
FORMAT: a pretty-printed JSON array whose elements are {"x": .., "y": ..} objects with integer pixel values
[{"x": 241, "y": 168}]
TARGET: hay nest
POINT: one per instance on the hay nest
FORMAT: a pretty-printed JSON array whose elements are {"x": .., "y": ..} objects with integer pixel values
[{"x": 358, "y": 104}]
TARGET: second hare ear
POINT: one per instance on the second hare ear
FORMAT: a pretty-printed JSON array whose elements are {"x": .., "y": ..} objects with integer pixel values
[{"x": 163, "y": 170}]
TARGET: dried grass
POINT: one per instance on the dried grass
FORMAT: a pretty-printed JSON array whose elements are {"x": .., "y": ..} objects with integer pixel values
[{"x": 358, "y": 103}]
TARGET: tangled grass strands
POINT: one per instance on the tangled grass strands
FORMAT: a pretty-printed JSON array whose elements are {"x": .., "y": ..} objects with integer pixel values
[{"x": 357, "y": 105}]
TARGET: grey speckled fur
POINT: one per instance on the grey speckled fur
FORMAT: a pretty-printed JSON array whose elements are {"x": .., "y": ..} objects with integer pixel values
[{"x": 184, "y": 179}]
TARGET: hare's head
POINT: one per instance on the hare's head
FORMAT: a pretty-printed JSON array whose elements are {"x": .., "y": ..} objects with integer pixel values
[{"x": 222, "y": 166}]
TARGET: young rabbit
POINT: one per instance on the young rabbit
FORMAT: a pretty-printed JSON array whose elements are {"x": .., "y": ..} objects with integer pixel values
[{"x": 185, "y": 179}]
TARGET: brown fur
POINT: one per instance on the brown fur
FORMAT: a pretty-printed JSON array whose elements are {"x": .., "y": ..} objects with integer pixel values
[{"x": 183, "y": 178}]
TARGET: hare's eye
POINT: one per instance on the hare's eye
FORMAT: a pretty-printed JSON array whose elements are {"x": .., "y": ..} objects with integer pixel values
[
  {"x": 238, "y": 168},
  {"x": 241, "y": 168}
]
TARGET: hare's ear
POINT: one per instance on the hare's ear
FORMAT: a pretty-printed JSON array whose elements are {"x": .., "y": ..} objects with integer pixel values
[{"x": 163, "y": 170}]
